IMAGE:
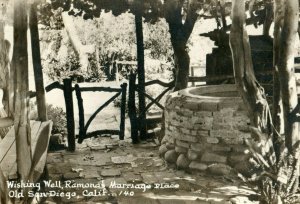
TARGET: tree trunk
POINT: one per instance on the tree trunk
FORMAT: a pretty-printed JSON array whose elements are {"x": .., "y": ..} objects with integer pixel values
[
  {"x": 21, "y": 102},
  {"x": 248, "y": 87},
  {"x": 287, "y": 72},
  {"x": 37, "y": 65},
  {"x": 81, "y": 50},
  {"x": 180, "y": 32},
  {"x": 278, "y": 120},
  {"x": 182, "y": 64}
]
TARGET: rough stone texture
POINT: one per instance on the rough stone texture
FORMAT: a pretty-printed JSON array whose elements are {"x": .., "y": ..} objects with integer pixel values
[
  {"x": 198, "y": 166},
  {"x": 211, "y": 157},
  {"x": 192, "y": 155},
  {"x": 171, "y": 156},
  {"x": 162, "y": 150},
  {"x": 219, "y": 169},
  {"x": 206, "y": 130},
  {"x": 181, "y": 149},
  {"x": 182, "y": 162}
]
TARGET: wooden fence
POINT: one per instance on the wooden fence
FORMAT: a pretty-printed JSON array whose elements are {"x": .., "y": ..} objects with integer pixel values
[
  {"x": 68, "y": 89},
  {"x": 137, "y": 122}
]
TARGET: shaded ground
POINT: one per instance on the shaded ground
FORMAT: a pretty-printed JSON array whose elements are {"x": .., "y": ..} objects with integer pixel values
[{"x": 108, "y": 160}]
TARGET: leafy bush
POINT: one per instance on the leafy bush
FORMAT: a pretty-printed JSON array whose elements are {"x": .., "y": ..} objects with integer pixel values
[
  {"x": 276, "y": 177},
  {"x": 55, "y": 114},
  {"x": 59, "y": 119}
]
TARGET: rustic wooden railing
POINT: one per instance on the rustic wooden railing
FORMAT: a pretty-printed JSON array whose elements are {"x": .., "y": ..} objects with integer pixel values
[
  {"x": 137, "y": 122},
  {"x": 84, "y": 127},
  {"x": 67, "y": 89}
]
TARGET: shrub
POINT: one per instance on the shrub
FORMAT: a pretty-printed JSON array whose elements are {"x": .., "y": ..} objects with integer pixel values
[
  {"x": 275, "y": 176},
  {"x": 55, "y": 114}
]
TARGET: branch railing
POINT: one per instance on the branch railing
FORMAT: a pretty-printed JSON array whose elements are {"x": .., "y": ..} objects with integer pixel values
[
  {"x": 68, "y": 89},
  {"x": 134, "y": 115},
  {"x": 84, "y": 127}
]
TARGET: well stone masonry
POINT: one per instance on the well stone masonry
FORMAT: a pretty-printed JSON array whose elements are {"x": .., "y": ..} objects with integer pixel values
[{"x": 205, "y": 130}]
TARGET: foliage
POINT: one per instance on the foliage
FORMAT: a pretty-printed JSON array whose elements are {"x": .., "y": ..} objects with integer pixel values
[
  {"x": 57, "y": 70},
  {"x": 275, "y": 177},
  {"x": 56, "y": 115},
  {"x": 59, "y": 119}
]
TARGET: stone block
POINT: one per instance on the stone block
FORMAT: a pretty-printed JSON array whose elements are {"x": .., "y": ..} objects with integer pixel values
[
  {"x": 187, "y": 138},
  {"x": 192, "y": 155},
  {"x": 191, "y": 105},
  {"x": 212, "y": 140},
  {"x": 181, "y": 149},
  {"x": 209, "y": 106},
  {"x": 171, "y": 156},
  {"x": 203, "y": 133},
  {"x": 239, "y": 148},
  {"x": 213, "y": 158},
  {"x": 197, "y": 166},
  {"x": 185, "y": 131},
  {"x": 227, "y": 112},
  {"x": 162, "y": 150},
  {"x": 110, "y": 172},
  {"x": 221, "y": 126},
  {"x": 170, "y": 145},
  {"x": 204, "y": 123},
  {"x": 244, "y": 135},
  {"x": 201, "y": 114},
  {"x": 182, "y": 144},
  {"x": 229, "y": 104},
  {"x": 233, "y": 141},
  {"x": 182, "y": 162},
  {"x": 219, "y": 169},
  {"x": 221, "y": 148},
  {"x": 198, "y": 147}
]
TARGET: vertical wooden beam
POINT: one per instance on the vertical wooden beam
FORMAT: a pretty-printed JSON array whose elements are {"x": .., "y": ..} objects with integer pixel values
[
  {"x": 132, "y": 109},
  {"x": 141, "y": 71},
  {"x": 70, "y": 113},
  {"x": 21, "y": 99},
  {"x": 37, "y": 66},
  {"x": 123, "y": 110},
  {"x": 82, "y": 133}
]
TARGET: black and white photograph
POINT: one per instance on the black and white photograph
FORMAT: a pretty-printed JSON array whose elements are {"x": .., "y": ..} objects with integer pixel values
[{"x": 149, "y": 102}]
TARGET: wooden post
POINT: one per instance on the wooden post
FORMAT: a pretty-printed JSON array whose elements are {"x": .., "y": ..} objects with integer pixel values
[
  {"x": 193, "y": 74},
  {"x": 123, "y": 110},
  {"x": 37, "y": 66},
  {"x": 21, "y": 97},
  {"x": 141, "y": 72},
  {"x": 69, "y": 113},
  {"x": 82, "y": 132},
  {"x": 132, "y": 109}
]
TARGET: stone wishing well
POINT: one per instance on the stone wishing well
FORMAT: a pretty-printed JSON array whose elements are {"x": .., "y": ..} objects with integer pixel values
[{"x": 205, "y": 128}]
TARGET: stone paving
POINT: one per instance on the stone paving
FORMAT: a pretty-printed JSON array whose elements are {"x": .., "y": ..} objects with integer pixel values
[{"x": 125, "y": 173}]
